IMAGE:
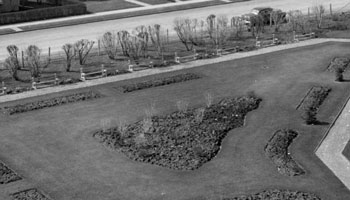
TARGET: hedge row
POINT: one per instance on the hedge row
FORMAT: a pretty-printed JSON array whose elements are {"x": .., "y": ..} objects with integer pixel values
[
  {"x": 160, "y": 82},
  {"x": 30, "y": 194},
  {"x": 7, "y": 175},
  {"x": 20, "y": 108},
  {"x": 182, "y": 140},
  {"x": 277, "y": 150},
  {"x": 278, "y": 195},
  {"x": 75, "y": 8}
]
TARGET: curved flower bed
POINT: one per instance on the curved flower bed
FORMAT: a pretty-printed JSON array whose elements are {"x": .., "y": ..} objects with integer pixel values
[
  {"x": 338, "y": 62},
  {"x": 160, "y": 82},
  {"x": 7, "y": 175},
  {"x": 183, "y": 140},
  {"x": 30, "y": 194},
  {"x": 20, "y": 108},
  {"x": 278, "y": 194},
  {"x": 277, "y": 150}
]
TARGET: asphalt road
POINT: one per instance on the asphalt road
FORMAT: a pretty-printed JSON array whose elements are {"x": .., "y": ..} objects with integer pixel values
[{"x": 56, "y": 37}]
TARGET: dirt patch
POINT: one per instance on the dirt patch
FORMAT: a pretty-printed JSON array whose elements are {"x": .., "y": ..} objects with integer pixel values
[
  {"x": 7, "y": 175},
  {"x": 278, "y": 194},
  {"x": 277, "y": 150},
  {"x": 183, "y": 140},
  {"x": 30, "y": 194}
]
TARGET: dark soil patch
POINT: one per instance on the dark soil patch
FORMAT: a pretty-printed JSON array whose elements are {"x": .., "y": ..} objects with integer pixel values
[
  {"x": 338, "y": 62},
  {"x": 182, "y": 140},
  {"x": 30, "y": 194},
  {"x": 278, "y": 195},
  {"x": 160, "y": 82},
  {"x": 7, "y": 175},
  {"x": 277, "y": 150},
  {"x": 20, "y": 108}
]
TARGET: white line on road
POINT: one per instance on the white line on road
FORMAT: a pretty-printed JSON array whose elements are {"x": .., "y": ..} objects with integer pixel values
[{"x": 138, "y": 3}]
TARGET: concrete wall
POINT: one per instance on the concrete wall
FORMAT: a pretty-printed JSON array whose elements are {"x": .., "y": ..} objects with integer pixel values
[{"x": 9, "y": 5}]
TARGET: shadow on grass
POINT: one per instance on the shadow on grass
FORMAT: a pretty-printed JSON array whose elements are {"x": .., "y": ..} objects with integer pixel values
[{"x": 320, "y": 123}]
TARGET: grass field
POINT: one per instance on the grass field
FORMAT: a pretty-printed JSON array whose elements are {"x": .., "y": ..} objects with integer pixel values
[{"x": 53, "y": 149}]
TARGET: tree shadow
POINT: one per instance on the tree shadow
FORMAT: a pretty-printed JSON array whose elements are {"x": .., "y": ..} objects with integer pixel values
[{"x": 320, "y": 123}]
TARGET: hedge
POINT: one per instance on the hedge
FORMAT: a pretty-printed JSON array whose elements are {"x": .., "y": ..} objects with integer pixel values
[
  {"x": 43, "y": 13},
  {"x": 278, "y": 195}
]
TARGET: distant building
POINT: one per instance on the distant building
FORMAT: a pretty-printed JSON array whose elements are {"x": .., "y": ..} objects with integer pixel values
[{"x": 9, "y": 5}]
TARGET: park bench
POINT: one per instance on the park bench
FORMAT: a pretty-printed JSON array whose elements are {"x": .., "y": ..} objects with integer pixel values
[
  {"x": 188, "y": 58},
  {"x": 88, "y": 73},
  {"x": 45, "y": 82},
  {"x": 267, "y": 42},
  {"x": 297, "y": 38},
  {"x": 226, "y": 50},
  {"x": 140, "y": 66}
]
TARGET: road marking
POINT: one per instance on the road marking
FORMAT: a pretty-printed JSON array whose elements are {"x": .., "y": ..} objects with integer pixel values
[
  {"x": 138, "y": 3},
  {"x": 16, "y": 29},
  {"x": 227, "y": 1}
]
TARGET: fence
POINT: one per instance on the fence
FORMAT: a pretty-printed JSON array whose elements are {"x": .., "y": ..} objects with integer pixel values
[
  {"x": 49, "y": 82},
  {"x": 267, "y": 42},
  {"x": 92, "y": 74},
  {"x": 297, "y": 38},
  {"x": 188, "y": 58},
  {"x": 3, "y": 89},
  {"x": 139, "y": 66}
]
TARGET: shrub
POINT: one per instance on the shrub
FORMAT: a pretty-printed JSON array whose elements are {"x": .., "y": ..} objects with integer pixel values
[
  {"x": 29, "y": 194},
  {"x": 7, "y": 175},
  {"x": 277, "y": 150},
  {"x": 160, "y": 82},
  {"x": 339, "y": 74},
  {"x": 70, "y": 54},
  {"x": 34, "y": 61},
  {"x": 20, "y": 108},
  {"x": 83, "y": 48},
  {"x": 278, "y": 195}
]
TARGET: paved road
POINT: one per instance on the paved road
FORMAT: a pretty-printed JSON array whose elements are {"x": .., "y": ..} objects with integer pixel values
[{"x": 56, "y": 37}]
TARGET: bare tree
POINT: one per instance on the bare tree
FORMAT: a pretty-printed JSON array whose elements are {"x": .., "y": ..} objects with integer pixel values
[
  {"x": 276, "y": 18},
  {"x": 256, "y": 24},
  {"x": 12, "y": 66},
  {"x": 34, "y": 61},
  {"x": 318, "y": 10},
  {"x": 70, "y": 54},
  {"x": 211, "y": 27},
  {"x": 83, "y": 48},
  {"x": 182, "y": 32},
  {"x": 157, "y": 38},
  {"x": 297, "y": 21},
  {"x": 238, "y": 24},
  {"x": 143, "y": 35},
  {"x": 109, "y": 42},
  {"x": 223, "y": 30},
  {"x": 133, "y": 46},
  {"x": 122, "y": 39},
  {"x": 13, "y": 52}
]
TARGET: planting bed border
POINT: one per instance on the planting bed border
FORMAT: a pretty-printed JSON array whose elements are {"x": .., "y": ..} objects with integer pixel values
[
  {"x": 278, "y": 152},
  {"x": 182, "y": 140},
  {"x": 56, "y": 101},
  {"x": 27, "y": 195},
  {"x": 7, "y": 174},
  {"x": 277, "y": 194},
  {"x": 310, "y": 91},
  {"x": 160, "y": 82},
  {"x": 329, "y": 67}
]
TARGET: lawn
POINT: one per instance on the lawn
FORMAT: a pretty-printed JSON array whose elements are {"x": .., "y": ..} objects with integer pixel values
[
  {"x": 108, "y": 5},
  {"x": 53, "y": 149}
]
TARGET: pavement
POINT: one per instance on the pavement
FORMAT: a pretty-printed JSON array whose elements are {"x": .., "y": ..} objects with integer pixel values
[{"x": 56, "y": 37}]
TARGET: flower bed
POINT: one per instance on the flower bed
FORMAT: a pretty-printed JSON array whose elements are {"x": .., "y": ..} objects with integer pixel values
[
  {"x": 277, "y": 150},
  {"x": 7, "y": 175},
  {"x": 30, "y": 194},
  {"x": 20, "y": 108},
  {"x": 182, "y": 140},
  {"x": 338, "y": 62},
  {"x": 160, "y": 82},
  {"x": 278, "y": 194}
]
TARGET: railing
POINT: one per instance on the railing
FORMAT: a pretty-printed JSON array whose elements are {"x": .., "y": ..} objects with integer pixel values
[
  {"x": 3, "y": 89},
  {"x": 139, "y": 66},
  {"x": 92, "y": 74},
  {"x": 267, "y": 42},
  {"x": 188, "y": 58},
  {"x": 297, "y": 38},
  {"x": 46, "y": 83}
]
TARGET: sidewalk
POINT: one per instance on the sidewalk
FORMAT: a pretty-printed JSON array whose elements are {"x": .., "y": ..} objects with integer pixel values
[
  {"x": 197, "y": 63},
  {"x": 111, "y": 15}
]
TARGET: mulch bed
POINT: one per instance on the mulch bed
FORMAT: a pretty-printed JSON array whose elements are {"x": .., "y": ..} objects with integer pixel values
[
  {"x": 7, "y": 175},
  {"x": 20, "y": 108},
  {"x": 278, "y": 195},
  {"x": 338, "y": 62},
  {"x": 277, "y": 150},
  {"x": 182, "y": 140},
  {"x": 30, "y": 194},
  {"x": 160, "y": 82}
]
